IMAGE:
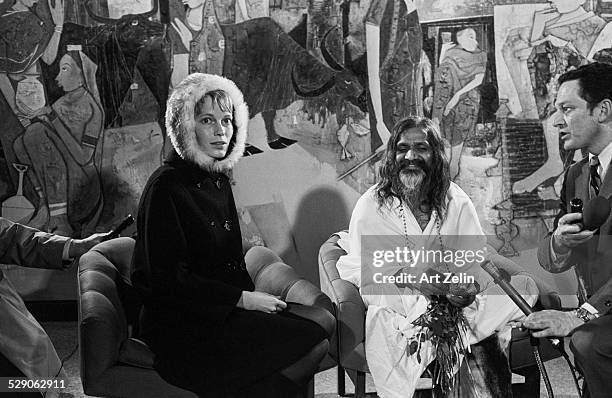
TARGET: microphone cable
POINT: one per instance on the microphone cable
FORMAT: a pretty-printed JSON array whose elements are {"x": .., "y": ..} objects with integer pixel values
[
  {"x": 501, "y": 278},
  {"x": 535, "y": 344}
]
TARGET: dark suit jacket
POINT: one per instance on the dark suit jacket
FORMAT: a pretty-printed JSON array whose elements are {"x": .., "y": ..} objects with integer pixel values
[
  {"x": 28, "y": 247},
  {"x": 593, "y": 259}
]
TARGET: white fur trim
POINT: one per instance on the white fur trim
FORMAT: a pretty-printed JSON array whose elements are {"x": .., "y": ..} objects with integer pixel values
[{"x": 180, "y": 122}]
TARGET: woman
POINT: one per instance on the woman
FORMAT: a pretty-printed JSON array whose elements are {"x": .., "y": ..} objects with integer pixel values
[{"x": 210, "y": 332}]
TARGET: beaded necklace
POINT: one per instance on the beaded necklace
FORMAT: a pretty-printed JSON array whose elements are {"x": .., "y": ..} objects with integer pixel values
[{"x": 434, "y": 214}]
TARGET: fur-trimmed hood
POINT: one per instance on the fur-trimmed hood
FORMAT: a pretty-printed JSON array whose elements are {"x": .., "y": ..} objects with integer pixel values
[{"x": 180, "y": 121}]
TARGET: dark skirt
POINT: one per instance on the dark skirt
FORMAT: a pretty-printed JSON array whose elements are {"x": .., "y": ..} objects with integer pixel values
[{"x": 243, "y": 357}]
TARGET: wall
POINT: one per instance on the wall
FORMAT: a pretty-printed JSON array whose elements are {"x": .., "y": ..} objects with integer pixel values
[{"x": 484, "y": 71}]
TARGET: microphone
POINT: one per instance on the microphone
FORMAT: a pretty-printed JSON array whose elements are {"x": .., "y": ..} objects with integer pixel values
[
  {"x": 127, "y": 221},
  {"x": 576, "y": 205},
  {"x": 595, "y": 212},
  {"x": 500, "y": 280}
]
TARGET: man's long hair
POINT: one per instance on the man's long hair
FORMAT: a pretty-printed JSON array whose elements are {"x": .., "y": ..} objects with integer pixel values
[{"x": 436, "y": 182}]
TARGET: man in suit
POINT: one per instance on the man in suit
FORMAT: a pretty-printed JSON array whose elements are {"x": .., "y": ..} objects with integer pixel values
[
  {"x": 584, "y": 120},
  {"x": 25, "y": 348}
]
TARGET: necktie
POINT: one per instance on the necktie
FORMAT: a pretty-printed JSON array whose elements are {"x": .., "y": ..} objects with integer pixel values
[{"x": 595, "y": 178}]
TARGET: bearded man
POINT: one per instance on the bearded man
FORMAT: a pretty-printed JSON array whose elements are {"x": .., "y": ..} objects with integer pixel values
[{"x": 416, "y": 204}]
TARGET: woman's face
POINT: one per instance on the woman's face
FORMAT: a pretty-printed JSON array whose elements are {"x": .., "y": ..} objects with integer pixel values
[
  {"x": 214, "y": 129},
  {"x": 69, "y": 77}
]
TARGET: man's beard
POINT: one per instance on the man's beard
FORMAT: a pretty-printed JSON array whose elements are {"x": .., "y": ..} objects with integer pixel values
[{"x": 409, "y": 183}]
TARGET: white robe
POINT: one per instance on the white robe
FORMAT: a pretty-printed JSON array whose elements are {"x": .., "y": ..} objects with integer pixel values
[{"x": 389, "y": 316}]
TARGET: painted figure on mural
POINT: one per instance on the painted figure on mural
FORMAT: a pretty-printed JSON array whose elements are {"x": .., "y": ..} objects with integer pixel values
[
  {"x": 28, "y": 33},
  {"x": 394, "y": 54},
  {"x": 397, "y": 69},
  {"x": 199, "y": 31},
  {"x": 197, "y": 26},
  {"x": 202, "y": 41},
  {"x": 571, "y": 36},
  {"x": 456, "y": 92},
  {"x": 60, "y": 146}
]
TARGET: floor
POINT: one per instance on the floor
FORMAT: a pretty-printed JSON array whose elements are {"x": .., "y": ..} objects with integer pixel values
[{"x": 64, "y": 336}]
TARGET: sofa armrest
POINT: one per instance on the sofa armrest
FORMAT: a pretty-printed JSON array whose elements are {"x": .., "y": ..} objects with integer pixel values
[
  {"x": 118, "y": 252},
  {"x": 318, "y": 315},
  {"x": 102, "y": 326},
  {"x": 272, "y": 276},
  {"x": 350, "y": 316},
  {"x": 350, "y": 309}
]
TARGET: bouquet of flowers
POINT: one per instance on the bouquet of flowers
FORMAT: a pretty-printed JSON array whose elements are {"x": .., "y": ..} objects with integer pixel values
[{"x": 444, "y": 324}]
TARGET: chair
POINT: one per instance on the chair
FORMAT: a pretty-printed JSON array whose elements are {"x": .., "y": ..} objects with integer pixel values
[
  {"x": 115, "y": 364},
  {"x": 349, "y": 350}
]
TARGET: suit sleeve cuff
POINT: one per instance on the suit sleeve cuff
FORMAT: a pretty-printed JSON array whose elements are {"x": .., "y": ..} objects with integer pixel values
[
  {"x": 590, "y": 308},
  {"x": 557, "y": 259},
  {"x": 66, "y": 259}
]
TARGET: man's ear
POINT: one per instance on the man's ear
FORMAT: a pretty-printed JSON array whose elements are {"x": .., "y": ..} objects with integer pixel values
[{"x": 605, "y": 111}]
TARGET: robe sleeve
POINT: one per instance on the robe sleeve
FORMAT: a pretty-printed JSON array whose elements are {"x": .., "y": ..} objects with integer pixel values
[
  {"x": 349, "y": 265},
  {"x": 167, "y": 255}
]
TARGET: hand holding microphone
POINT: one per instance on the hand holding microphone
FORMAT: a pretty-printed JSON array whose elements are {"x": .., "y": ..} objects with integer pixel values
[{"x": 581, "y": 224}]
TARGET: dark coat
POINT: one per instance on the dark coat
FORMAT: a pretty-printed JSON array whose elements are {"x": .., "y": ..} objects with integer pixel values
[
  {"x": 189, "y": 268},
  {"x": 591, "y": 259},
  {"x": 189, "y": 249}
]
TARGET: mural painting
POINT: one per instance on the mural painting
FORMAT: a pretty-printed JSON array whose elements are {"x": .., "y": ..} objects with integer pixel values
[
  {"x": 449, "y": 10},
  {"x": 84, "y": 87},
  {"x": 554, "y": 39},
  {"x": 457, "y": 86}
]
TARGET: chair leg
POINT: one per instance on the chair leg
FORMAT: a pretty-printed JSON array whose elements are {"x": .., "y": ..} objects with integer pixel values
[
  {"x": 341, "y": 381},
  {"x": 360, "y": 388},
  {"x": 585, "y": 390},
  {"x": 310, "y": 388},
  {"x": 358, "y": 379}
]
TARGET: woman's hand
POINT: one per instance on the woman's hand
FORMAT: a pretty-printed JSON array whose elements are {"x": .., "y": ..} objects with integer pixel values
[{"x": 260, "y": 301}]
